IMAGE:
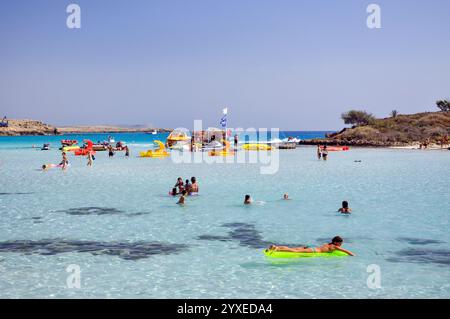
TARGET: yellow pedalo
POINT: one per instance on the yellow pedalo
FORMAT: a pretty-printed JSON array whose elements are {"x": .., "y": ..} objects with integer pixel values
[
  {"x": 160, "y": 152},
  {"x": 256, "y": 147}
]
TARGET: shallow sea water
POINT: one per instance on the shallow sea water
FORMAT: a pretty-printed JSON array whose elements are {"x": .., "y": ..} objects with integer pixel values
[{"x": 130, "y": 240}]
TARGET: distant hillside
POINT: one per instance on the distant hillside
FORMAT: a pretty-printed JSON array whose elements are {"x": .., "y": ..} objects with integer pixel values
[
  {"x": 401, "y": 130},
  {"x": 26, "y": 127},
  {"x": 32, "y": 127}
]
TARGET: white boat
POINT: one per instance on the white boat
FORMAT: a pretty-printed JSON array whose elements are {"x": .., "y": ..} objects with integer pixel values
[
  {"x": 214, "y": 145},
  {"x": 155, "y": 132}
]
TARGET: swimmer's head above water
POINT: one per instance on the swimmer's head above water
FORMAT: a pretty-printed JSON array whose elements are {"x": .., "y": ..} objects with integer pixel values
[
  {"x": 247, "y": 200},
  {"x": 337, "y": 241}
]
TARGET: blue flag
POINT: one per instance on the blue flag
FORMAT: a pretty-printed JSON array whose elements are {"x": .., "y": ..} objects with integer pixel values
[{"x": 223, "y": 121}]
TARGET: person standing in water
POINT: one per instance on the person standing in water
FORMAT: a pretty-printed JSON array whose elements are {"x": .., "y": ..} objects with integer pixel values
[
  {"x": 324, "y": 153},
  {"x": 127, "y": 151},
  {"x": 187, "y": 186},
  {"x": 319, "y": 152},
  {"x": 193, "y": 185},
  {"x": 64, "y": 161},
  {"x": 111, "y": 151},
  {"x": 90, "y": 159},
  {"x": 236, "y": 141},
  {"x": 179, "y": 184}
]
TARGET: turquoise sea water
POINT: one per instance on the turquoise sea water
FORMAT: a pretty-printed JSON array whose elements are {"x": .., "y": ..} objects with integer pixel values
[{"x": 130, "y": 240}]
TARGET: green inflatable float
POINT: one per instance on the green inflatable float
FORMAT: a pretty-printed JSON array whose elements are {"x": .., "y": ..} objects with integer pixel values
[{"x": 286, "y": 254}]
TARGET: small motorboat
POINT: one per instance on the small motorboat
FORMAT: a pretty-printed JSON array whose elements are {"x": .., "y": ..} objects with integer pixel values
[
  {"x": 68, "y": 142},
  {"x": 45, "y": 147}
]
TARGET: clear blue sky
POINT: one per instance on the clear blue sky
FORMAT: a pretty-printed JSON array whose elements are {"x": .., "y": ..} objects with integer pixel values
[{"x": 290, "y": 64}]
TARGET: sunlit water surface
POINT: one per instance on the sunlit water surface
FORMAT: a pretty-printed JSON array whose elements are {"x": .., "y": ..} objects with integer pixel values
[{"x": 130, "y": 239}]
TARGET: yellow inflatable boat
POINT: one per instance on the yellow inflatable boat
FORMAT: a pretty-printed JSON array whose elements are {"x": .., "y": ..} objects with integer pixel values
[
  {"x": 160, "y": 152},
  {"x": 70, "y": 148},
  {"x": 256, "y": 147}
]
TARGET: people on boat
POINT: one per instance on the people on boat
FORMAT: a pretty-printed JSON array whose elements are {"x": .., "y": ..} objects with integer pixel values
[
  {"x": 335, "y": 244},
  {"x": 247, "y": 200},
  {"x": 345, "y": 209}
]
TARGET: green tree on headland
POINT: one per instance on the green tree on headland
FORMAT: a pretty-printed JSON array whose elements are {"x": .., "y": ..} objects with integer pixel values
[
  {"x": 443, "y": 105},
  {"x": 357, "y": 118}
]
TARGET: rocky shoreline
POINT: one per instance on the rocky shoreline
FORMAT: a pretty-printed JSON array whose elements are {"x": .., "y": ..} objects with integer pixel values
[
  {"x": 33, "y": 127},
  {"x": 401, "y": 131}
]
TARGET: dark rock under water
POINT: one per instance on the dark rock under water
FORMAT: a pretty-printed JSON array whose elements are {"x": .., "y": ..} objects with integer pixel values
[{"x": 124, "y": 250}]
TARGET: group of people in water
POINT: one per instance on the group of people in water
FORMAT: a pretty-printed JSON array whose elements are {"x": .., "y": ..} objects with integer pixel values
[{"x": 187, "y": 188}]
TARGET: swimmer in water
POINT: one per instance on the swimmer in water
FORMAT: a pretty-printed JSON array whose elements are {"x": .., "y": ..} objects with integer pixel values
[
  {"x": 174, "y": 192},
  {"x": 286, "y": 196},
  {"x": 247, "y": 200},
  {"x": 345, "y": 209},
  {"x": 335, "y": 244},
  {"x": 319, "y": 152},
  {"x": 182, "y": 198}
]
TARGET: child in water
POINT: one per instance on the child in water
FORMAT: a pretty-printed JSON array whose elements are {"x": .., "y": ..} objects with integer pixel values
[
  {"x": 286, "y": 196},
  {"x": 345, "y": 209},
  {"x": 187, "y": 186},
  {"x": 335, "y": 244},
  {"x": 247, "y": 200},
  {"x": 182, "y": 198},
  {"x": 64, "y": 161}
]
